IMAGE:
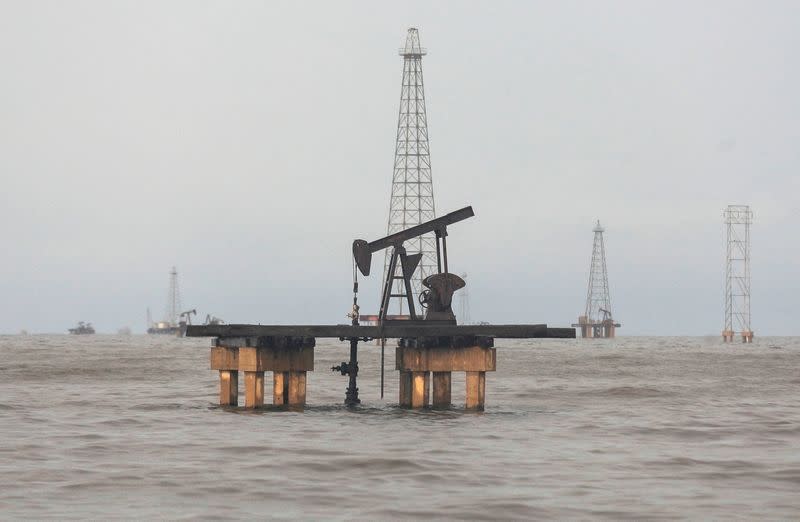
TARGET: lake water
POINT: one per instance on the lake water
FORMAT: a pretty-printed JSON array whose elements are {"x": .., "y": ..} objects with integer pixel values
[{"x": 128, "y": 427}]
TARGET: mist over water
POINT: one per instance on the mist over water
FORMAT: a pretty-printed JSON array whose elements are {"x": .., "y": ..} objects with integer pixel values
[{"x": 104, "y": 426}]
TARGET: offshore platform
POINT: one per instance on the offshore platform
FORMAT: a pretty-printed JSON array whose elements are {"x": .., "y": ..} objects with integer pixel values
[
  {"x": 415, "y": 303},
  {"x": 170, "y": 325},
  {"x": 597, "y": 320}
]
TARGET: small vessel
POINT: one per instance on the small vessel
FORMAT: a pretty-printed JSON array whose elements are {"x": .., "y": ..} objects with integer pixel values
[{"x": 82, "y": 329}]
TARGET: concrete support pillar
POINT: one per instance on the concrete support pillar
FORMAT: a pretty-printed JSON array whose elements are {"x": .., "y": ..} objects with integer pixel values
[
  {"x": 584, "y": 326},
  {"x": 747, "y": 337},
  {"x": 420, "y": 389},
  {"x": 297, "y": 388},
  {"x": 727, "y": 336},
  {"x": 405, "y": 389},
  {"x": 228, "y": 388},
  {"x": 253, "y": 389},
  {"x": 416, "y": 363},
  {"x": 280, "y": 388},
  {"x": 442, "y": 389},
  {"x": 226, "y": 360},
  {"x": 476, "y": 390}
]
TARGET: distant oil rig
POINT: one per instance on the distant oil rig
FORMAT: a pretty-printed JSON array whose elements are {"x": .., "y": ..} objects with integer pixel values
[
  {"x": 175, "y": 321},
  {"x": 170, "y": 325},
  {"x": 738, "y": 219},
  {"x": 82, "y": 329},
  {"x": 597, "y": 320}
]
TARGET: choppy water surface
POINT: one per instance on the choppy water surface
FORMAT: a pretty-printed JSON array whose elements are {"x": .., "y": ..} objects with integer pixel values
[{"x": 102, "y": 426}]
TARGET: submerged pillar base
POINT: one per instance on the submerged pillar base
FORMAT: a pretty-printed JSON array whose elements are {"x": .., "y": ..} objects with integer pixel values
[
  {"x": 289, "y": 358},
  {"x": 226, "y": 360},
  {"x": 476, "y": 390},
  {"x": 415, "y": 363},
  {"x": 414, "y": 389},
  {"x": 228, "y": 388},
  {"x": 253, "y": 389},
  {"x": 442, "y": 389},
  {"x": 297, "y": 388},
  {"x": 280, "y": 388}
]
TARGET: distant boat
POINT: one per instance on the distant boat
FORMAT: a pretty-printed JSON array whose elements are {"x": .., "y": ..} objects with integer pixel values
[{"x": 82, "y": 329}]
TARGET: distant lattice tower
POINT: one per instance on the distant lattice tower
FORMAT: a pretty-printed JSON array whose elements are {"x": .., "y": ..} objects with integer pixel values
[
  {"x": 597, "y": 320},
  {"x": 464, "y": 314},
  {"x": 738, "y": 219},
  {"x": 173, "y": 299},
  {"x": 412, "y": 186}
]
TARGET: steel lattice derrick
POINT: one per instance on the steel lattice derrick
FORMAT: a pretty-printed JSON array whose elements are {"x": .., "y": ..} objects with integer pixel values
[
  {"x": 598, "y": 297},
  {"x": 173, "y": 299},
  {"x": 411, "y": 201},
  {"x": 597, "y": 320},
  {"x": 738, "y": 219}
]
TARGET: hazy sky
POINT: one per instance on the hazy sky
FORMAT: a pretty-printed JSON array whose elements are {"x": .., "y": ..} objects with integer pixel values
[{"x": 248, "y": 143}]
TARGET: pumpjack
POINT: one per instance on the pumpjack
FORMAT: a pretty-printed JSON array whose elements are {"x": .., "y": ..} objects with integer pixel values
[
  {"x": 431, "y": 323},
  {"x": 436, "y": 299}
]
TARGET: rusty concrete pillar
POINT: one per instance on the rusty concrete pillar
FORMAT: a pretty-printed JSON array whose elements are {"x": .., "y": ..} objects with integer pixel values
[
  {"x": 747, "y": 337},
  {"x": 442, "y": 389},
  {"x": 280, "y": 388},
  {"x": 297, "y": 388},
  {"x": 476, "y": 390},
  {"x": 420, "y": 389},
  {"x": 253, "y": 389},
  {"x": 226, "y": 360},
  {"x": 405, "y": 389},
  {"x": 415, "y": 363},
  {"x": 228, "y": 388},
  {"x": 727, "y": 336}
]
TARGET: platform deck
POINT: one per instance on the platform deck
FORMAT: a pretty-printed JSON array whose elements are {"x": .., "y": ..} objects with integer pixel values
[{"x": 507, "y": 331}]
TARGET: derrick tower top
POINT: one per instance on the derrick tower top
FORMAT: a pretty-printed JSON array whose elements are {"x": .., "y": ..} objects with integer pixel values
[
  {"x": 413, "y": 49},
  {"x": 173, "y": 298},
  {"x": 411, "y": 202},
  {"x": 598, "y": 298}
]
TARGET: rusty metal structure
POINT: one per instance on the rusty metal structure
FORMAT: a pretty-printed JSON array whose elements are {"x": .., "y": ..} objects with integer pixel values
[
  {"x": 437, "y": 297},
  {"x": 597, "y": 320},
  {"x": 415, "y": 305},
  {"x": 411, "y": 202},
  {"x": 170, "y": 325},
  {"x": 429, "y": 341},
  {"x": 738, "y": 219}
]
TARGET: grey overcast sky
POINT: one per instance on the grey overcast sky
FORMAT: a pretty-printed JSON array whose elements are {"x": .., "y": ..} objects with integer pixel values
[{"x": 248, "y": 143}]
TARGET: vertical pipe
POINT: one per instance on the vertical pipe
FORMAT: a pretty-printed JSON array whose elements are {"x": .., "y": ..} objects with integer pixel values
[
  {"x": 438, "y": 252},
  {"x": 351, "y": 398},
  {"x": 444, "y": 250}
]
